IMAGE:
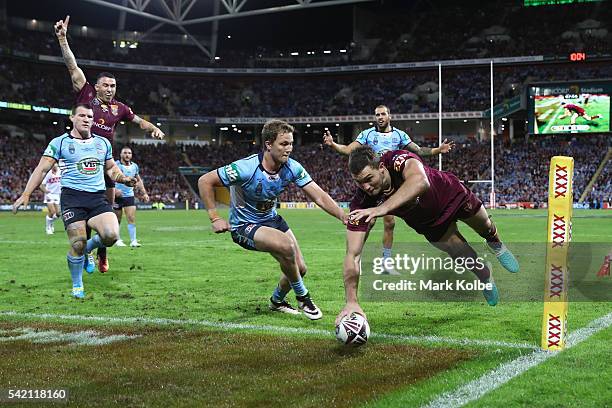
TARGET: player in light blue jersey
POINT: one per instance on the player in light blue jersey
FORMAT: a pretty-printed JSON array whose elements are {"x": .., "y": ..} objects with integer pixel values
[
  {"x": 124, "y": 201},
  {"x": 382, "y": 138},
  {"x": 255, "y": 184},
  {"x": 84, "y": 158}
]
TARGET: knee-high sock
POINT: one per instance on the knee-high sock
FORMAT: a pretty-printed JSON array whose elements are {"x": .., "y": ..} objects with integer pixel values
[
  {"x": 75, "y": 266},
  {"x": 132, "y": 231}
]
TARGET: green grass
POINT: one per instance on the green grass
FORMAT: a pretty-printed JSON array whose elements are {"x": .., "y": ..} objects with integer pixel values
[{"x": 184, "y": 271}]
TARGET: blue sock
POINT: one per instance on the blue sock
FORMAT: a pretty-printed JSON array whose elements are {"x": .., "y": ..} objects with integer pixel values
[
  {"x": 278, "y": 294},
  {"x": 386, "y": 252},
  {"x": 299, "y": 288},
  {"x": 93, "y": 243},
  {"x": 132, "y": 232},
  {"x": 75, "y": 265}
]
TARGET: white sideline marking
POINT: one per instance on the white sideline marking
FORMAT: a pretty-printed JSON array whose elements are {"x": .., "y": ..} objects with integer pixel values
[
  {"x": 278, "y": 329},
  {"x": 545, "y": 115},
  {"x": 507, "y": 371},
  {"x": 86, "y": 337}
]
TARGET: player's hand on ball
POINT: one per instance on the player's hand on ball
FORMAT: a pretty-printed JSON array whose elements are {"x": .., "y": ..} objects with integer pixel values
[
  {"x": 328, "y": 139},
  {"x": 446, "y": 146},
  {"x": 24, "y": 199},
  {"x": 220, "y": 225},
  {"x": 146, "y": 198},
  {"x": 349, "y": 309},
  {"x": 61, "y": 27}
]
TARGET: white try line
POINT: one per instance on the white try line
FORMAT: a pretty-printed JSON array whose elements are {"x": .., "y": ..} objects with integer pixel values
[
  {"x": 507, "y": 371},
  {"x": 268, "y": 328}
]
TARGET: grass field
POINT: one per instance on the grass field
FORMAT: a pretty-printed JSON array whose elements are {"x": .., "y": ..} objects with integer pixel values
[
  {"x": 547, "y": 112},
  {"x": 189, "y": 314}
]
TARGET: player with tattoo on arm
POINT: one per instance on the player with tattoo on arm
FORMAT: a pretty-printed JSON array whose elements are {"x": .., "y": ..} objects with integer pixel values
[{"x": 107, "y": 111}]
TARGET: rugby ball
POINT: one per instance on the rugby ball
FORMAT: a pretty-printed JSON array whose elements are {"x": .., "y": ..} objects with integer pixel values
[{"x": 353, "y": 330}]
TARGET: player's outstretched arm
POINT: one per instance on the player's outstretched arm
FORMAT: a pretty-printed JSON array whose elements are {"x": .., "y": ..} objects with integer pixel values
[
  {"x": 328, "y": 140},
  {"x": 354, "y": 246},
  {"x": 323, "y": 200},
  {"x": 114, "y": 172},
  {"x": 445, "y": 147},
  {"x": 76, "y": 74},
  {"x": 206, "y": 185},
  {"x": 38, "y": 175},
  {"x": 148, "y": 127}
]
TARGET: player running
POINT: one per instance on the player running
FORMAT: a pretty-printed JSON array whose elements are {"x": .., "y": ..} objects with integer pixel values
[
  {"x": 429, "y": 201},
  {"x": 108, "y": 111},
  {"x": 255, "y": 184},
  {"x": 85, "y": 158},
  {"x": 51, "y": 187},
  {"x": 575, "y": 111},
  {"x": 125, "y": 196},
  {"x": 382, "y": 138}
]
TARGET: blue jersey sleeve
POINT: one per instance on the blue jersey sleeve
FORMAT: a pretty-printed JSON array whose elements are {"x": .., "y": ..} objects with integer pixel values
[
  {"x": 404, "y": 139},
  {"x": 362, "y": 138},
  {"x": 237, "y": 172},
  {"x": 300, "y": 175},
  {"x": 53, "y": 149},
  {"x": 109, "y": 149}
]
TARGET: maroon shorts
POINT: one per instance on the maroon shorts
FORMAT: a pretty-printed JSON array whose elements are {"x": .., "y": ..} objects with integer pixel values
[{"x": 468, "y": 207}]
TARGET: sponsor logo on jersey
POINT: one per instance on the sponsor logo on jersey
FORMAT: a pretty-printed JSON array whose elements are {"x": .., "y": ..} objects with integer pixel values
[
  {"x": 114, "y": 109},
  {"x": 88, "y": 166},
  {"x": 398, "y": 161},
  {"x": 302, "y": 174},
  {"x": 103, "y": 127},
  {"x": 232, "y": 172},
  {"x": 67, "y": 215},
  {"x": 51, "y": 150}
]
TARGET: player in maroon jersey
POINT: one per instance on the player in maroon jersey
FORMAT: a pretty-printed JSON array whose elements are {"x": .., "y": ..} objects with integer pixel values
[
  {"x": 107, "y": 113},
  {"x": 428, "y": 200},
  {"x": 570, "y": 109}
]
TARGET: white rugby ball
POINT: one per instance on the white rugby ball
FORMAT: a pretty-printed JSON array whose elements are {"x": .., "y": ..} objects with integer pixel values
[{"x": 353, "y": 330}]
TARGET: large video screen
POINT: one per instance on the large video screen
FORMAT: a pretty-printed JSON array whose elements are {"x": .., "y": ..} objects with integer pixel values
[{"x": 569, "y": 108}]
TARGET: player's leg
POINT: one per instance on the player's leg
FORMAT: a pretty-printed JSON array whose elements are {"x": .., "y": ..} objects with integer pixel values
[
  {"x": 482, "y": 224},
  {"x": 573, "y": 118},
  {"x": 284, "y": 250},
  {"x": 277, "y": 300},
  {"x": 103, "y": 263},
  {"x": 130, "y": 213},
  {"x": 49, "y": 217},
  {"x": 389, "y": 227},
  {"x": 107, "y": 229},
  {"x": 119, "y": 213},
  {"x": 75, "y": 257},
  {"x": 456, "y": 246}
]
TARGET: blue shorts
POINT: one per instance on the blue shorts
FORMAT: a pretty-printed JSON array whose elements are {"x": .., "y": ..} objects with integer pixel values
[
  {"x": 82, "y": 205},
  {"x": 122, "y": 202},
  {"x": 245, "y": 234}
]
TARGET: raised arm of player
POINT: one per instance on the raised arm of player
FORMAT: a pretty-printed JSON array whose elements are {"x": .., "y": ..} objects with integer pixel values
[
  {"x": 140, "y": 186},
  {"x": 415, "y": 184},
  {"x": 148, "y": 127},
  {"x": 323, "y": 200},
  {"x": 354, "y": 246},
  {"x": 328, "y": 139},
  {"x": 114, "y": 172},
  {"x": 445, "y": 147},
  {"x": 38, "y": 175},
  {"x": 76, "y": 74},
  {"x": 206, "y": 185}
]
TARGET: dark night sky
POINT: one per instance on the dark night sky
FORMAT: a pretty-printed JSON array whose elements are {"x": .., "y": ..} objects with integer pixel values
[{"x": 313, "y": 26}]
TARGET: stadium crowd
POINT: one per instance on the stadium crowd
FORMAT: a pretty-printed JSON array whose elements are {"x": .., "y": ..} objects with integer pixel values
[
  {"x": 463, "y": 89},
  {"x": 521, "y": 168},
  {"x": 497, "y": 29}
]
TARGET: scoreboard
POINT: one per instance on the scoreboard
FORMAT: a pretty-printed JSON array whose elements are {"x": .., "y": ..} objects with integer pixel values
[{"x": 569, "y": 107}]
